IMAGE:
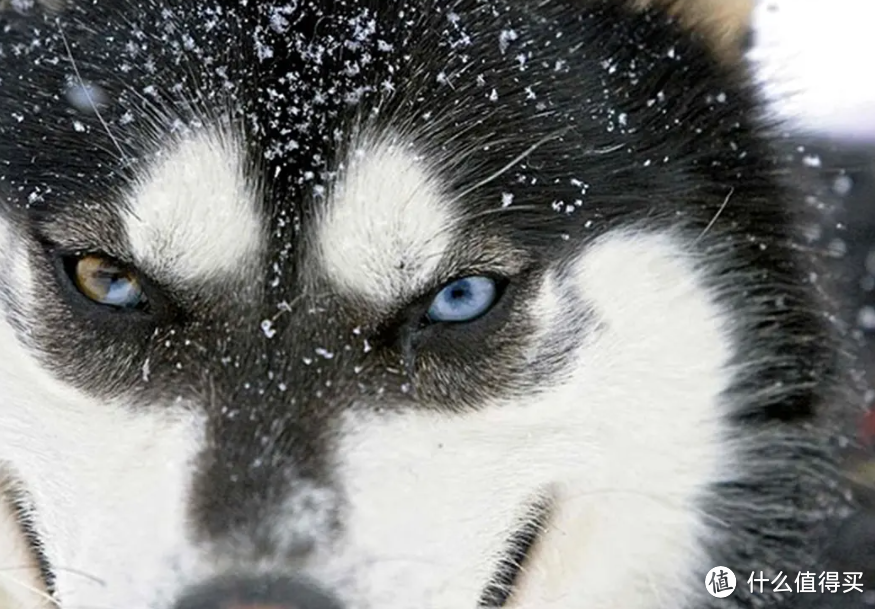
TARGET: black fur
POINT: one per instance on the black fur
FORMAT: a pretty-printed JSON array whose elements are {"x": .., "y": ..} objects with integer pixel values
[{"x": 638, "y": 125}]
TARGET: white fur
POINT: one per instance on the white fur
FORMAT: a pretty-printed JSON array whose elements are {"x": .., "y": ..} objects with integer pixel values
[
  {"x": 193, "y": 216},
  {"x": 625, "y": 447},
  {"x": 19, "y": 577},
  {"x": 110, "y": 483},
  {"x": 387, "y": 224},
  {"x": 111, "y": 488}
]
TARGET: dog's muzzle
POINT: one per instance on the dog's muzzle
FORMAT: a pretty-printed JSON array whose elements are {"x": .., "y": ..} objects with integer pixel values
[{"x": 257, "y": 593}]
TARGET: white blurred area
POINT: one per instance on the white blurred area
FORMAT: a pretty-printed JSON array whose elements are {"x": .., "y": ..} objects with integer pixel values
[{"x": 817, "y": 59}]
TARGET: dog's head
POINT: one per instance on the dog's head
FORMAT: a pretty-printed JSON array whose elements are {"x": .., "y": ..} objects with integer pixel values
[{"x": 398, "y": 304}]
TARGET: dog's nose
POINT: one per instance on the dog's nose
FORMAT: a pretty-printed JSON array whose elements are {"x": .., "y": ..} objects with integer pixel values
[{"x": 257, "y": 593}]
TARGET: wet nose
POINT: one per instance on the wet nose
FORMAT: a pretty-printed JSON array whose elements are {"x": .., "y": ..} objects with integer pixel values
[{"x": 257, "y": 593}]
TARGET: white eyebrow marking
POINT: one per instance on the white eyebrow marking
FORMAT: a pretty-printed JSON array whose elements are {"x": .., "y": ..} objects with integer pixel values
[
  {"x": 195, "y": 215},
  {"x": 387, "y": 224}
]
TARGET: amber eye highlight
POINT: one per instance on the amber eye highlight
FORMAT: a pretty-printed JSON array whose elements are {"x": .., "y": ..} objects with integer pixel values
[{"x": 106, "y": 282}]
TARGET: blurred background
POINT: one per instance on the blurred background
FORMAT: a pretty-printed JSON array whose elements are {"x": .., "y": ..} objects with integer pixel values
[{"x": 815, "y": 59}]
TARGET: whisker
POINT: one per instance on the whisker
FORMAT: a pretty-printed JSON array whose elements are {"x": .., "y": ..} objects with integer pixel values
[
  {"x": 513, "y": 163},
  {"x": 87, "y": 92},
  {"x": 6, "y": 577},
  {"x": 716, "y": 215}
]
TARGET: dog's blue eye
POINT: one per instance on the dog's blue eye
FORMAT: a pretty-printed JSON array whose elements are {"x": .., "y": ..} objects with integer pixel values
[
  {"x": 463, "y": 300},
  {"x": 104, "y": 282}
]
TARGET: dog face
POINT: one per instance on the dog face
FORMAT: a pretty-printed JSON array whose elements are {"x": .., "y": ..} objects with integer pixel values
[{"x": 385, "y": 304}]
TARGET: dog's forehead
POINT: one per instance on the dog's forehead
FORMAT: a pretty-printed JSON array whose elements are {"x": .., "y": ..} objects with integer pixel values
[
  {"x": 195, "y": 216},
  {"x": 259, "y": 160},
  {"x": 374, "y": 210}
]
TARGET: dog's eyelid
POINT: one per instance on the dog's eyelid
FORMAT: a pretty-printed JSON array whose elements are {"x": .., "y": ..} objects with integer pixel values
[
  {"x": 77, "y": 246},
  {"x": 441, "y": 281},
  {"x": 153, "y": 299},
  {"x": 105, "y": 282},
  {"x": 499, "y": 269}
]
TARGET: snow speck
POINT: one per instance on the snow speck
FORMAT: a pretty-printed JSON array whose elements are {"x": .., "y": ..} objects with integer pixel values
[
  {"x": 843, "y": 185},
  {"x": 567, "y": 208},
  {"x": 811, "y": 160},
  {"x": 267, "y": 328},
  {"x": 324, "y": 353},
  {"x": 505, "y": 38},
  {"x": 506, "y": 199},
  {"x": 813, "y": 232},
  {"x": 146, "y": 370},
  {"x": 263, "y": 51},
  {"x": 35, "y": 197},
  {"x": 866, "y": 318},
  {"x": 837, "y": 248},
  {"x": 278, "y": 18},
  {"x": 86, "y": 97}
]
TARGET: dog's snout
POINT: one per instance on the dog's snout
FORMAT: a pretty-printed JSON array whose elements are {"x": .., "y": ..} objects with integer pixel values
[{"x": 258, "y": 593}]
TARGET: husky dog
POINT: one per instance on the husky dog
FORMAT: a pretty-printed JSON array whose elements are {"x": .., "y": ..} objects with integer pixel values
[{"x": 393, "y": 304}]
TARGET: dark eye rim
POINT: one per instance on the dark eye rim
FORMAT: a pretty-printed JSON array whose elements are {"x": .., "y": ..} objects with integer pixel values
[
  {"x": 411, "y": 325},
  {"x": 64, "y": 261},
  {"x": 71, "y": 263}
]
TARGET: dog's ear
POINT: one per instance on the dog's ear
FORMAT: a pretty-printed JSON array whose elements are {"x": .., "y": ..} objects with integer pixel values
[{"x": 726, "y": 24}]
